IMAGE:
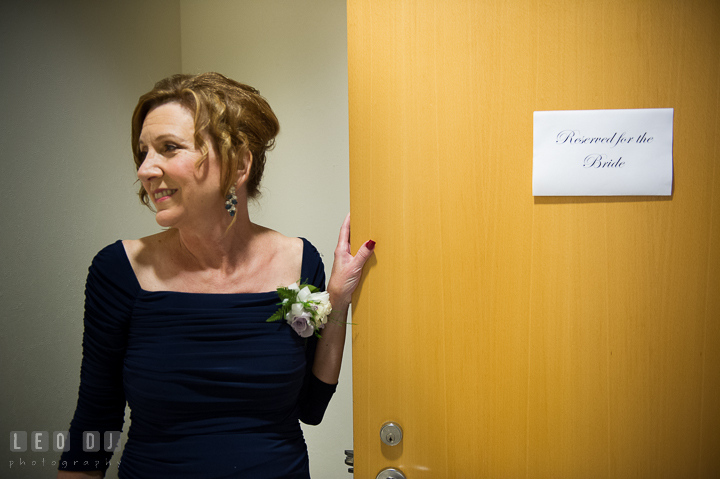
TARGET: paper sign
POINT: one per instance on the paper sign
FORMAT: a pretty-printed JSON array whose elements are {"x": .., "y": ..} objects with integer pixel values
[{"x": 603, "y": 152}]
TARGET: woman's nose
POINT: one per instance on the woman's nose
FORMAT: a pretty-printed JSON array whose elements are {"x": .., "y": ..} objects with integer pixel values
[{"x": 149, "y": 168}]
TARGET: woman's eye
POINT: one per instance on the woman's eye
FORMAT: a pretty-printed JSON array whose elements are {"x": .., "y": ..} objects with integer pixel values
[
  {"x": 142, "y": 155},
  {"x": 170, "y": 147}
]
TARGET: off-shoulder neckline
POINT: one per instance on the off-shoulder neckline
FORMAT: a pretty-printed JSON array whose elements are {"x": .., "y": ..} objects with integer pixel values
[{"x": 127, "y": 264}]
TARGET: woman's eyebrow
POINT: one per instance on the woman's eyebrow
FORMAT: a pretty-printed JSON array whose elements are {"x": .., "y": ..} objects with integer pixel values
[{"x": 162, "y": 137}]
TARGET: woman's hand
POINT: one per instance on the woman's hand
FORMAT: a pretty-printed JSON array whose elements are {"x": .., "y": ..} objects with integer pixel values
[
  {"x": 347, "y": 269},
  {"x": 345, "y": 276}
]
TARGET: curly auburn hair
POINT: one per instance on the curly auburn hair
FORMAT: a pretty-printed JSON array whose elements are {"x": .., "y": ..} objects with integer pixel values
[{"x": 234, "y": 115}]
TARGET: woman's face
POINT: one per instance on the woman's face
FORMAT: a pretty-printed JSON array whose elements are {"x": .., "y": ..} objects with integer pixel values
[{"x": 183, "y": 194}]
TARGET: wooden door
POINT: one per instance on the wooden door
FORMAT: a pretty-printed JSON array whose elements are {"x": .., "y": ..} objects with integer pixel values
[{"x": 513, "y": 336}]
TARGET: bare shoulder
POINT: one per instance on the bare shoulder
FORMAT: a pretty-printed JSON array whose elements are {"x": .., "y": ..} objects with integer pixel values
[
  {"x": 292, "y": 247},
  {"x": 287, "y": 251},
  {"x": 145, "y": 254},
  {"x": 141, "y": 250}
]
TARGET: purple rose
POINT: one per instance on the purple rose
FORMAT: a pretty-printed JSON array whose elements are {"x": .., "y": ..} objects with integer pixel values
[{"x": 301, "y": 324}]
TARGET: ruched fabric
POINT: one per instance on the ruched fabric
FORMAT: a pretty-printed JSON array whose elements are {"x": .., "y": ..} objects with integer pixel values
[{"x": 215, "y": 390}]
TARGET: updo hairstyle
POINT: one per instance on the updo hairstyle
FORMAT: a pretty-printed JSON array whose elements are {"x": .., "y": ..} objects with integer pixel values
[{"x": 234, "y": 115}]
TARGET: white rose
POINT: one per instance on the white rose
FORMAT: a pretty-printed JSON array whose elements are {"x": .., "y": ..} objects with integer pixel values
[
  {"x": 323, "y": 311},
  {"x": 320, "y": 296}
]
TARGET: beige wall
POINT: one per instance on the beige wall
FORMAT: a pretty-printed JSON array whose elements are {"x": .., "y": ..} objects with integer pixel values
[{"x": 71, "y": 73}]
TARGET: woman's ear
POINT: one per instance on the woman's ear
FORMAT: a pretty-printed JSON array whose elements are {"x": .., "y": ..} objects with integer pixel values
[{"x": 244, "y": 166}]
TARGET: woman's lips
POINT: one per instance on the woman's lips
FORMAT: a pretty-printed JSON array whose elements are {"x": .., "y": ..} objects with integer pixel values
[{"x": 161, "y": 195}]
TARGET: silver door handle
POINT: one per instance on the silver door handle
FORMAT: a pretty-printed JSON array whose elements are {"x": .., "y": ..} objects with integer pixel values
[{"x": 390, "y": 473}]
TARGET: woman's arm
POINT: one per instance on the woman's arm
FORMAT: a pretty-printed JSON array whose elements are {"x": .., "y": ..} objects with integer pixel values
[
  {"x": 110, "y": 292},
  {"x": 344, "y": 278}
]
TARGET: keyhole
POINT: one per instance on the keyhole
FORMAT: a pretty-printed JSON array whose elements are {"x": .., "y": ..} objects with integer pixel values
[{"x": 391, "y": 434}]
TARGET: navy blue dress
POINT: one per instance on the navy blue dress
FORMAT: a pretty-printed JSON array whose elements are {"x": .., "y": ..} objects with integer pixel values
[{"x": 215, "y": 391}]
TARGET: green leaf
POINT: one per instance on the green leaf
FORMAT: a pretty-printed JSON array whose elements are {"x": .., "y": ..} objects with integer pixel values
[
  {"x": 311, "y": 287},
  {"x": 288, "y": 294}
]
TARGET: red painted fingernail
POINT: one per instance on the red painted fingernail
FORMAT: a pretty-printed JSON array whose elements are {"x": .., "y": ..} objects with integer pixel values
[{"x": 371, "y": 245}]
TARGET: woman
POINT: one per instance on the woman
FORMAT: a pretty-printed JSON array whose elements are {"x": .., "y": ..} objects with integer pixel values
[{"x": 176, "y": 323}]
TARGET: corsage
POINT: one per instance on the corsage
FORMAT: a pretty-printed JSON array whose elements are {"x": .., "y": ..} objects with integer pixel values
[{"x": 304, "y": 307}]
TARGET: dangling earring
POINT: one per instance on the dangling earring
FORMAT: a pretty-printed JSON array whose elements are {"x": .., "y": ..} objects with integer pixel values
[{"x": 231, "y": 201}]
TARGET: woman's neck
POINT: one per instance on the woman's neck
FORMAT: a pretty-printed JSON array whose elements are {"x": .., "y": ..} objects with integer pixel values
[{"x": 218, "y": 246}]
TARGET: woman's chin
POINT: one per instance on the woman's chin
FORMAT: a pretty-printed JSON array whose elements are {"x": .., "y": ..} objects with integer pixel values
[{"x": 165, "y": 219}]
